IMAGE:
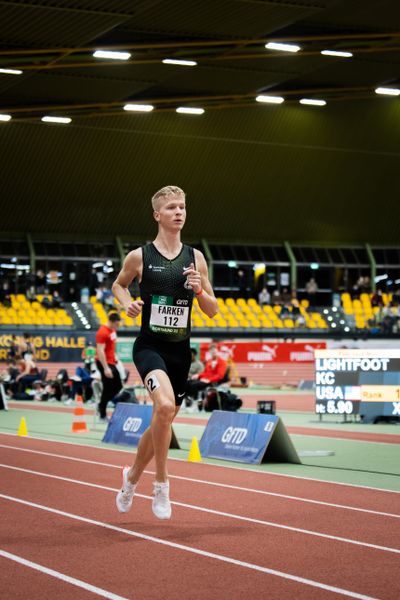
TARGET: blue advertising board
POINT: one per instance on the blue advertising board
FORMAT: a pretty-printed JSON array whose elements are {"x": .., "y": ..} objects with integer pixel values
[
  {"x": 247, "y": 438},
  {"x": 128, "y": 423}
]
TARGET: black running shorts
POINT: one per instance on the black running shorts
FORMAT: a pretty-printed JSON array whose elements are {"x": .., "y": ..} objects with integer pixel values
[{"x": 174, "y": 358}]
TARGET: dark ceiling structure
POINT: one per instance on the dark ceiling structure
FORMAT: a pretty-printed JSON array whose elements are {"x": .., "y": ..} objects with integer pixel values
[{"x": 252, "y": 171}]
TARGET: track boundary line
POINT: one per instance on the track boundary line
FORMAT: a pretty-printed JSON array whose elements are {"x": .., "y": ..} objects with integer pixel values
[
  {"x": 193, "y": 550},
  {"x": 211, "y": 483},
  {"x": 230, "y": 467},
  {"x": 216, "y": 512},
  {"x": 66, "y": 578}
]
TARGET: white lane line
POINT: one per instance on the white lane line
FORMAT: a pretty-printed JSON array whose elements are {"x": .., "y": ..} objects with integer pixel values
[
  {"x": 78, "y": 582},
  {"x": 212, "y": 464},
  {"x": 192, "y": 550},
  {"x": 215, "y": 512},
  {"x": 215, "y": 484}
]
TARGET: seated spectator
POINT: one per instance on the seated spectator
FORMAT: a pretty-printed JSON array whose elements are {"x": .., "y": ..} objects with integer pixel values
[
  {"x": 26, "y": 348},
  {"x": 360, "y": 287},
  {"x": 5, "y": 298},
  {"x": 38, "y": 391},
  {"x": 298, "y": 318},
  {"x": 295, "y": 308},
  {"x": 28, "y": 373},
  {"x": 286, "y": 297},
  {"x": 82, "y": 383},
  {"x": 57, "y": 300},
  {"x": 388, "y": 322},
  {"x": 377, "y": 298},
  {"x": 196, "y": 365},
  {"x": 276, "y": 297},
  {"x": 213, "y": 373},
  {"x": 285, "y": 312},
  {"x": 40, "y": 281},
  {"x": 396, "y": 298},
  {"x": 89, "y": 354},
  {"x": 13, "y": 349},
  {"x": 367, "y": 284},
  {"x": 264, "y": 297},
  {"x": 107, "y": 299},
  {"x": 46, "y": 300},
  {"x": 311, "y": 291},
  {"x": 9, "y": 375},
  {"x": 31, "y": 294},
  {"x": 99, "y": 293}
]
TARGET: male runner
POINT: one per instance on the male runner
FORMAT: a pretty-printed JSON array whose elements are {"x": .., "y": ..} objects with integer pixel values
[{"x": 170, "y": 274}]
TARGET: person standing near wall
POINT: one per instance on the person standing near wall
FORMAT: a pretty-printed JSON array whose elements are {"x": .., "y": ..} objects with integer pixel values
[{"x": 106, "y": 361}]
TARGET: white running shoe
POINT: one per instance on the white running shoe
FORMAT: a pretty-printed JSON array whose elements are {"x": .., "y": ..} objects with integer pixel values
[
  {"x": 161, "y": 503},
  {"x": 124, "y": 497}
]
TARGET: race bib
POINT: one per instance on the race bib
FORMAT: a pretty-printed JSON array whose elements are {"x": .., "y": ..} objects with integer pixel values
[{"x": 167, "y": 316}]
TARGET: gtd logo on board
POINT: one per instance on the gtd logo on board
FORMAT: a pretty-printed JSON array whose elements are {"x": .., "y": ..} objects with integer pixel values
[
  {"x": 234, "y": 435},
  {"x": 132, "y": 424}
]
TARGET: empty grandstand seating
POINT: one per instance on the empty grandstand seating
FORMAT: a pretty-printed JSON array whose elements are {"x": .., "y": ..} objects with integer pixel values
[
  {"x": 233, "y": 314},
  {"x": 101, "y": 314},
  {"x": 23, "y": 312}
]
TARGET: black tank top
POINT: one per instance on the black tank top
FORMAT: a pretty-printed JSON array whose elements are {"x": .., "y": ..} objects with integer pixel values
[{"x": 167, "y": 301}]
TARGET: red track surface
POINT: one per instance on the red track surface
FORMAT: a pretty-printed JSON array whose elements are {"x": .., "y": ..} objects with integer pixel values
[{"x": 231, "y": 529}]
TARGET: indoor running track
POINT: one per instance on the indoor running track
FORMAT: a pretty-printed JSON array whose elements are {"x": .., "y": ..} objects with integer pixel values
[{"x": 233, "y": 532}]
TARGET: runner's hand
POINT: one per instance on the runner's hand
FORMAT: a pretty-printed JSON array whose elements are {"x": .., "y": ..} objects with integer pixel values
[
  {"x": 193, "y": 278},
  {"x": 108, "y": 373},
  {"x": 134, "y": 309}
]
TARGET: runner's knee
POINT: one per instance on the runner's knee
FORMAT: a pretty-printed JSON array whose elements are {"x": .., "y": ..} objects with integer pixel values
[{"x": 165, "y": 411}]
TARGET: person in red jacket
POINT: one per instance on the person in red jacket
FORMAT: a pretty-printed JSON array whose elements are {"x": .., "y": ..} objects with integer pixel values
[
  {"x": 213, "y": 373},
  {"x": 106, "y": 360}
]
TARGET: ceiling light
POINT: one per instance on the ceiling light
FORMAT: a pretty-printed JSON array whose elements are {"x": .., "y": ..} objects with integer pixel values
[
  {"x": 337, "y": 53},
  {"x": 270, "y": 99},
  {"x": 387, "y": 91},
  {"x": 11, "y": 71},
  {"x": 139, "y": 107},
  {"x": 112, "y": 55},
  {"x": 282, "y": 47},
  {"x": 56, "y": 119},
  {"x": 5, "y": 117},
  {"x": 176, "y": 61},
  {"x": 312, "y": 102},
  {"x": 188, "y": 110}
]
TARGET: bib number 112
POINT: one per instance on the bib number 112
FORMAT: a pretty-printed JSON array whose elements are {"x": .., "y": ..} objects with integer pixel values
[{"x": 170, "y": 321}]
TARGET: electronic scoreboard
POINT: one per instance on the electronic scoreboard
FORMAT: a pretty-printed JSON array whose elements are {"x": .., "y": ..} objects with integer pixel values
[{"x": 364, "y": 382}]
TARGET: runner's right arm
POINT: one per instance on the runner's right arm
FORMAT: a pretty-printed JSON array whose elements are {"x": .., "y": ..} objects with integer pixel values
[{"x": 131, "y": 269}]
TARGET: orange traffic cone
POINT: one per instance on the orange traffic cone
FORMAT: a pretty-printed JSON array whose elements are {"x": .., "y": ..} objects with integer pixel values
[{"x": 79, "y": 423}]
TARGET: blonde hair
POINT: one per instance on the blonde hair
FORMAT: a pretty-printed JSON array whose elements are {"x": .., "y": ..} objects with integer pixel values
[{"x": 168, "y": 190}]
